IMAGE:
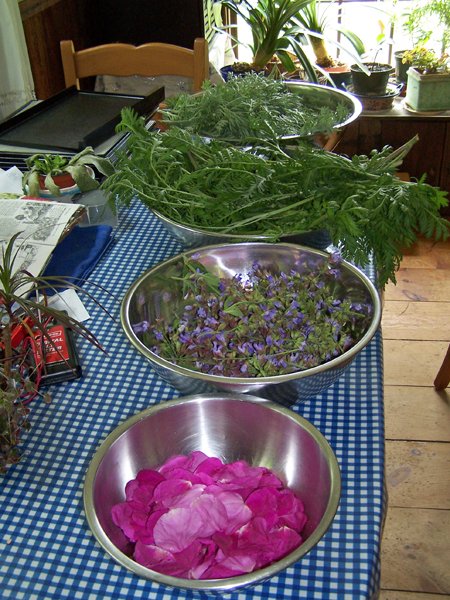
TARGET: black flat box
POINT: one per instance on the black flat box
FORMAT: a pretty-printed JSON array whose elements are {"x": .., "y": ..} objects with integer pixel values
[{"x": 73, "y": 119}]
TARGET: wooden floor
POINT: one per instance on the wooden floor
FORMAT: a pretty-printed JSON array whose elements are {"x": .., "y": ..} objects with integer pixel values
[{"x": 415, "y": 552}]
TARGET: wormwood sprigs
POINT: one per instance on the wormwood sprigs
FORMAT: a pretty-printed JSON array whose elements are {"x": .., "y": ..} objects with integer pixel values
[
  {"x": 368, "y": 212},
  {"x": 262, "y": 324},
  {"x": 249, "y": 108}
]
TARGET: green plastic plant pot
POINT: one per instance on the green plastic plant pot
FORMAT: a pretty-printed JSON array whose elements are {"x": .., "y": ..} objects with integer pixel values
[
  {"x": 375, "y": 83},
  {"x": 401, "y": 68},
  {"x": 428, "y": 92}
]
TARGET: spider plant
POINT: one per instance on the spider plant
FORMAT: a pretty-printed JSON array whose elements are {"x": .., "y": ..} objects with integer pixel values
[
  {"x": 22, "y": 320},
  {"x": 314, "y": 21},
  {"x": 274, "y": 32}
]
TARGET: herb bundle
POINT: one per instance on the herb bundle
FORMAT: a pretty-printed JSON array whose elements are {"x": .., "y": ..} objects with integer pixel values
[
  {"x": 212, "y": 186},
  {"x": 264, "y": 324},
  {"x": 251, "y": 108}
]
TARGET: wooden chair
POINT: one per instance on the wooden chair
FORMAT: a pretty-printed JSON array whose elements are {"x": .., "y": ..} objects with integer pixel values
[
  {"x": 148, "y": 60},
  {"x": 443, "y": 377}
]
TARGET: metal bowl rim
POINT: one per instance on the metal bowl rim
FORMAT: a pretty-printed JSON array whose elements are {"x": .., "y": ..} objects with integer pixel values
[
  {"x": 230, "y": 583},
  {"x": 355, "y": 102},
  {"x": 274, "y": 379}
]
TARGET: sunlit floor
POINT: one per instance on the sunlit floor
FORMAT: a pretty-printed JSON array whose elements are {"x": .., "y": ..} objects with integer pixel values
[{"x": 416, "y": 332}]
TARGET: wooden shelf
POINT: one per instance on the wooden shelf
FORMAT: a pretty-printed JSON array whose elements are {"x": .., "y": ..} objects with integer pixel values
[{"x": 431, "y": 154}]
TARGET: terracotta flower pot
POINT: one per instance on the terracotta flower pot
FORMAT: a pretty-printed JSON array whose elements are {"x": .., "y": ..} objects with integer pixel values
[
  {"x": 340, "y": 75},
  {"x": 65, "y": 180}
]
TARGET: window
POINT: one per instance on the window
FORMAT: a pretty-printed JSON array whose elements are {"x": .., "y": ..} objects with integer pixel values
[{"x": 379, "y": 23}]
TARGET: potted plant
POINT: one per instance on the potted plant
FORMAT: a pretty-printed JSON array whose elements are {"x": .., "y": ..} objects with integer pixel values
[
  {"x": 374, "y": 82},
  {"x": 274, "y": 34},
  {"x": 23, "y": 321},
  {"x": 428, "y": 23},
  {"x": 401, "y": 66},
  {"x": 313, "y": 19},
  {"x": 428, "y": 85},
  {"x": 54, "y": 174}
]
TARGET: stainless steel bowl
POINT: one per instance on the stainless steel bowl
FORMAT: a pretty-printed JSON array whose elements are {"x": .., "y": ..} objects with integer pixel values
[
  {"x": 190, "y": 237},
  {"x": 218, "y": 426},
  {"x": 314, "y": 96},
  {"x": 317, "y": 96},
  {"x": 156, "y": 294}
]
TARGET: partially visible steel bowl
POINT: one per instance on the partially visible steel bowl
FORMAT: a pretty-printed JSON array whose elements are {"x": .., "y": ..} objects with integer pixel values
[
  {"x": 323, "y": 96},
  {"x": 190, "y": 237},
  {"x": 157, "y": 294},
  {"x": 218, "y": 426}
]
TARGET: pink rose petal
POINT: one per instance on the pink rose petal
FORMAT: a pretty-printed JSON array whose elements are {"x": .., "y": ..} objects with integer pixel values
[
  {"x": 154, "y": 557},
  {"x": 181, "y": 473},
  {"x": 197, "y": 518},
  {"x": 172, "y": 491},
  {"x": 263, "y": 503},
  {"x": 190, "y": 462},
  {"x": 291, "y": 511},
  {"x": 177, "y": 529},
  {"x": 209, "y": 466},
  {"x": 238, "y": 513}
]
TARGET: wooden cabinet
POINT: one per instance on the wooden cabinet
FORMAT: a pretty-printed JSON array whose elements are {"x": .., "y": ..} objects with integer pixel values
[
  {"x": 45, "y": 23},
  {"x": 92, "y": 22},
  {"x": 430, "y": 155},
  {"x": 176, "y": 22}
]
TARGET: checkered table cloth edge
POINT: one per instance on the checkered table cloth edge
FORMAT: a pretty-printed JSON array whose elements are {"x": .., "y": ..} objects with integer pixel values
[{"x": 47, "y": 550}]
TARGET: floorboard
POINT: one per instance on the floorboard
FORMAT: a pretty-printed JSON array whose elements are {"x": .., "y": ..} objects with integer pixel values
[
  {"x": 418, "y": 474},
  {"x": 415, "y": 551},
  {"x": 415, "y": 321},
  {"x": 417, "y": 413}
]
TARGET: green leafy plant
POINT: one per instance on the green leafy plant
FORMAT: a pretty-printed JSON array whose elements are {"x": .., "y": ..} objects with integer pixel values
[
  {"x": 313, "y": 19},
  {"x": 429, "y": 19},
  {"x": 24, "y": 316},
  {"x": 215, "y": 187},
  {"x": 274, "y": 32},
  {"x": 425, "y": 60},
  {"x": 44, "y": 168}
]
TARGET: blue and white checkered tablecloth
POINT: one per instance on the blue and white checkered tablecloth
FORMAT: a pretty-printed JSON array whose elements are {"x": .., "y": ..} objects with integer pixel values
[{"x": 46, "y": 547}]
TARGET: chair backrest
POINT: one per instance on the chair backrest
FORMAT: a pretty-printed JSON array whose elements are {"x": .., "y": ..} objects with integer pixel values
[{"x": 148, "y": 60}]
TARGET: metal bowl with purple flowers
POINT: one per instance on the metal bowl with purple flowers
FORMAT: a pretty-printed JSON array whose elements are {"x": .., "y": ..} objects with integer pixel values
[{"x": 280, "y": 321}]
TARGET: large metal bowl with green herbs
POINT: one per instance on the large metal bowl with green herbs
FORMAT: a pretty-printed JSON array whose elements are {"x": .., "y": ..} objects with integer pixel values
[
  {"x": 293, "y": 317},
  {"x": 251, "y": 108},
  {"x": 211, "y": 187}
]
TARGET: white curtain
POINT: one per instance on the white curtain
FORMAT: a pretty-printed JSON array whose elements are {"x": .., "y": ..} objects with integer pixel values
[{"x": 16, "y": 80}]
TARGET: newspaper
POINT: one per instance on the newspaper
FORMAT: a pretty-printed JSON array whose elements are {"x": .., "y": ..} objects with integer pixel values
[{"x": 40, "y": 225}]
